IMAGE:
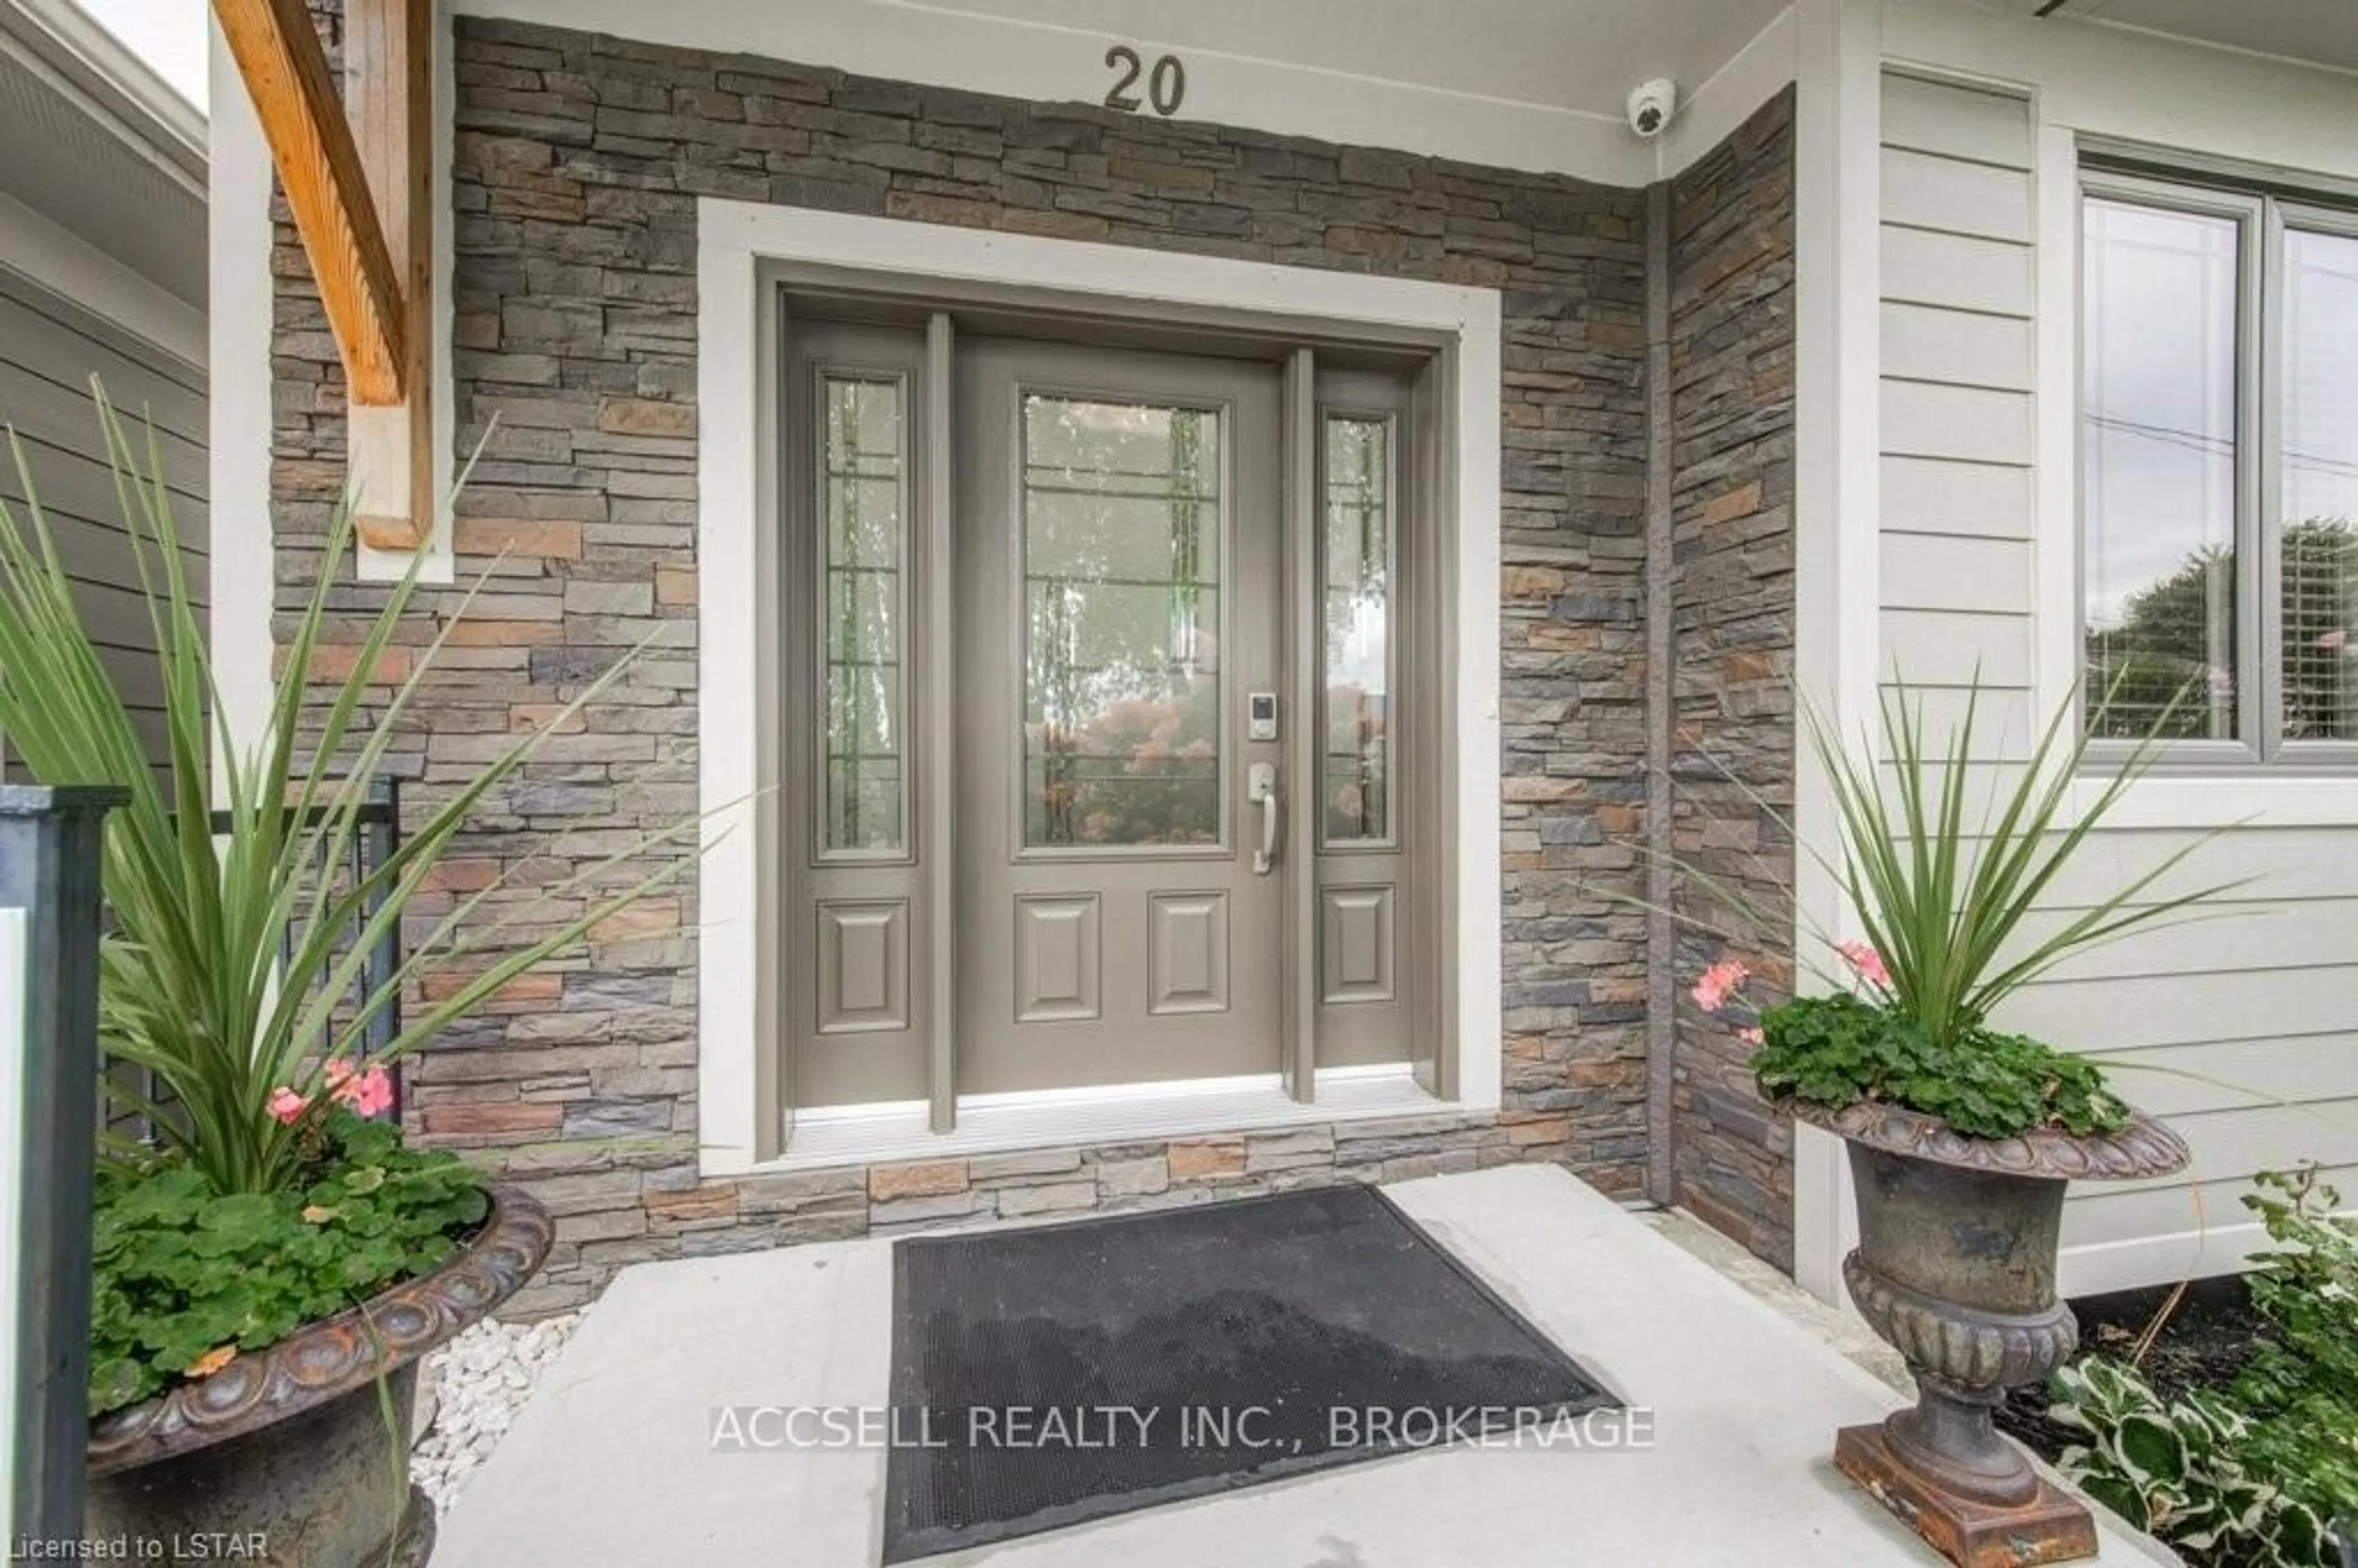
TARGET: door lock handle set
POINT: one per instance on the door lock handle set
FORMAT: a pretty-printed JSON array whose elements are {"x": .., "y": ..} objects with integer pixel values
[{"x": 1260, "y": 787}]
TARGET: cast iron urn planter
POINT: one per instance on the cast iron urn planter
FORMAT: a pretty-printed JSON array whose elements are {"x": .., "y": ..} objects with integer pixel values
[
  {"x": 288, "y": 1448},
  {"x": 1955, "y": 1266}
]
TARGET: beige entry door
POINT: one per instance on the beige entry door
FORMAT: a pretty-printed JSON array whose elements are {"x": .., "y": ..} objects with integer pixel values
[{"x": 1118, "y": 519}]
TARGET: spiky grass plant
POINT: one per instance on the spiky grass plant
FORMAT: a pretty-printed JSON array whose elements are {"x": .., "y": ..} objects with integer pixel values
[
  {"x": 1945, "y": 896},
  {"x": 235, "y": 966}
]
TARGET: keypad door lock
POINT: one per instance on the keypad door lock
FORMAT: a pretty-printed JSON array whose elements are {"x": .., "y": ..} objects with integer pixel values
[{"x": 1261, "y": 716}]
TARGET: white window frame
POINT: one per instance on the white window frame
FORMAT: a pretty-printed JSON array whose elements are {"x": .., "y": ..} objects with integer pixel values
[{"x": 2261, "y": 214}]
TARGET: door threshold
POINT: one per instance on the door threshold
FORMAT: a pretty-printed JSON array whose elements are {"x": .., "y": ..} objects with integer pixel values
[{"x": 1049, "y": 1118}]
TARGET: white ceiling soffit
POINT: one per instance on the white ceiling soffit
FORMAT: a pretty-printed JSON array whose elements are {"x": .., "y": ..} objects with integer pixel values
[
  {"x": 95, "y": 142},
  {"x": 1532, "y": 84},
  {"x": 1579, "y": 54},
  {"x": 2321, "y": 32}
]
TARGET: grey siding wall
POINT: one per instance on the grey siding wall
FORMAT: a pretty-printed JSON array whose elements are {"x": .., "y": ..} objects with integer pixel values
[
  {"x": 1958, "y": 450},
  {"x": 2234, "y": 1014},
  {"x": 1732, "y": 746},
  {"x": 50, "y": 350}
]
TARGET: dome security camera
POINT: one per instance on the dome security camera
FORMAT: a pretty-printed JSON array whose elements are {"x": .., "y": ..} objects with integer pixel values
[{"x": 1652, "y": 106}]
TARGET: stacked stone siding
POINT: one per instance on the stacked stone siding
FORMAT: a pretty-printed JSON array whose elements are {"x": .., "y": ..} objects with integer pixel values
[
  {"x": 579, "y": 161},
  {"x": 1732, "y": 402}
]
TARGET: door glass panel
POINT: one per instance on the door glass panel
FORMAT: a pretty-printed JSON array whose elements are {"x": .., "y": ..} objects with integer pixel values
[
  {"x": 864, "y": 505},
  {"x": 2320, "y": 487},
  {"x": 2159, "y": 453},
  {"x": 1122, "y": 664},
  {"x": 1354, "y": 758}
]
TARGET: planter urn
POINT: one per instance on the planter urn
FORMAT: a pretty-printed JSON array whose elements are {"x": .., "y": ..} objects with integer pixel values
[
  {"x": 290, "y": 1455},
  {"x": 1955, "y": 1266}
]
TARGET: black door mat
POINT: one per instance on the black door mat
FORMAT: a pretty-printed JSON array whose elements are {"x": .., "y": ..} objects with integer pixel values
[{"x": 1045, "y": 1377}]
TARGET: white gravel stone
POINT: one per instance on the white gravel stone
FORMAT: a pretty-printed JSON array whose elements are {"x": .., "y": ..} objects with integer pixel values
[{"x": 475, "y": 1386}]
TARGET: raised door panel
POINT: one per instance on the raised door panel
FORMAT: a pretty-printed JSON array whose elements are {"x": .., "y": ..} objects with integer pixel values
[
  {"x": 1354, "y": 943},
  {"x": 863, "y": 965},
  {"x": 1056, "y": 958},
  {"x": 1187, "y": 952}
]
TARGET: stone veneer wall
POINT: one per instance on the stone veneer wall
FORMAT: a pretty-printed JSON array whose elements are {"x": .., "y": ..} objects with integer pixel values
[
  {"x": 579, "y": 161},
  {"x": 1732, "y": 419}
]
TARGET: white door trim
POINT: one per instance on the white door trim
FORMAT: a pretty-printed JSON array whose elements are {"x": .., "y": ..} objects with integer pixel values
[{"x": 738, "y": 1107}]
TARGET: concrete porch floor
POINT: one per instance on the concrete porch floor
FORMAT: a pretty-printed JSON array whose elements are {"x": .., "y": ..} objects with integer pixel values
[{"x": 610, "y": 1462}]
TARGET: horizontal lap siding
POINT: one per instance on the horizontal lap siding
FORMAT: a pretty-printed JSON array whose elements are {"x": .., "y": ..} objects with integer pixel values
[
  {"x": 2239, "y": 1028},
  {"x": 50, "y": 351},
  {"x": 1957, "y": 411}
]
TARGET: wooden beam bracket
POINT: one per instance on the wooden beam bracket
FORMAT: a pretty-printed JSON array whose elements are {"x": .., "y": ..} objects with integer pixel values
[{"x": 361, "y": 189}]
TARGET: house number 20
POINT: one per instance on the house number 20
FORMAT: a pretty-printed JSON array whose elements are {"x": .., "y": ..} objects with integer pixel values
[{"x": 1166, "y": 85}]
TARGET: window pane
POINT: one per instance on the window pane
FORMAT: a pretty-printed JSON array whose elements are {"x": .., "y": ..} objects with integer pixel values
[
  {"x": 863, "y": 493},
  {"x": 1356, "y": 781},
  {"x": 2321, "y": 487},
  {"x": 1121, "y": 574},
  {"x": 2158, "y": 438}
]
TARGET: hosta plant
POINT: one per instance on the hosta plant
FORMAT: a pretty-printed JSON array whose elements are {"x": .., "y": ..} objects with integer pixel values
[
  {"x": 234, "y": 969},
  {"x": 2301, "y": 1387},
  {"x": 1945, "y": 892},
  {"x": 2181, "y": 1470}
]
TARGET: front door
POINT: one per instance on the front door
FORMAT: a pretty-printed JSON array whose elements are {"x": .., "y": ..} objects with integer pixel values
[{"x": 1119, "y": 722}]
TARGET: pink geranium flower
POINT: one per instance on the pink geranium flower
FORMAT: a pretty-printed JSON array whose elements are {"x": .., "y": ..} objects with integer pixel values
[
  {"x": 1712, "y": 990},
  {"x": 368, "y": 1090},
  {"x": 1866, "y": 962},
  {"x": 287, "y": 1105},
  {"x": 1752, "y": 1036}
]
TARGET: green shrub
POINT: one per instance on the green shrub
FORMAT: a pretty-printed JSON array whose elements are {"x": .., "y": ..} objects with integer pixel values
[
  {"x": 186, "y": 1271},
  {"x": 2181, "y": 1470},
  {"x": 2301, "y": 1388},
  {"x": 1839, "y": 1050}
]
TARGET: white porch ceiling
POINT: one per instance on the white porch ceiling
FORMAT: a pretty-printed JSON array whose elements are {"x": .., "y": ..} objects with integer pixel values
[
  {"x": 1583, "y": 56},
  {"x": 93, "y": 141},
  {"x": 1537, "y": 84},
  {"x": 2322, "y": 32},
  {"x": 1534, "y": 85}
]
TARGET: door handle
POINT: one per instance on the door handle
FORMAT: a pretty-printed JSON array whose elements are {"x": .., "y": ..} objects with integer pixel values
[{"x": 1260, "y": 786}]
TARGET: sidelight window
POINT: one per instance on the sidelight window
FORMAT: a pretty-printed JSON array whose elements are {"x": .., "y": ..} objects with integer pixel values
[
  {"x": 863, "y": 508},
  {"x": 1358, "y": 574}
]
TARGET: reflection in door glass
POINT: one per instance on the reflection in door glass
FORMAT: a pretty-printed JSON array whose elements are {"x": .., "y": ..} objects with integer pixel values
[
  {"x": 1354, "y": 764},
  {"x": 1122, "y": 664},
  {"x": 862, "y": 475}
]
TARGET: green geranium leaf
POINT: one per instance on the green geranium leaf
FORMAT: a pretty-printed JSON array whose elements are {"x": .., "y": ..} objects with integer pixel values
[{"x": 187, "y": 1268}]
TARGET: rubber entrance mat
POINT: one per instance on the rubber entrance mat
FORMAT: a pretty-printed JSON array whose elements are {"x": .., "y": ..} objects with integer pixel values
[{"x": 1042, "y": 1378}]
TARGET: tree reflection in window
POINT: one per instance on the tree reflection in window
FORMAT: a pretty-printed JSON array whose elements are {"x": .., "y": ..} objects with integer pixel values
[
  {"x": 2162, "y": 581},
  {"x": 1121, "y": 571},
  {"x": 862, "y": 480},
  {"x": 1356, "y": 779}
]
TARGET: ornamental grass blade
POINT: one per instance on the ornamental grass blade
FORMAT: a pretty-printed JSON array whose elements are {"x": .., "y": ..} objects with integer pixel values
[{"x": 234, "y": 957}]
